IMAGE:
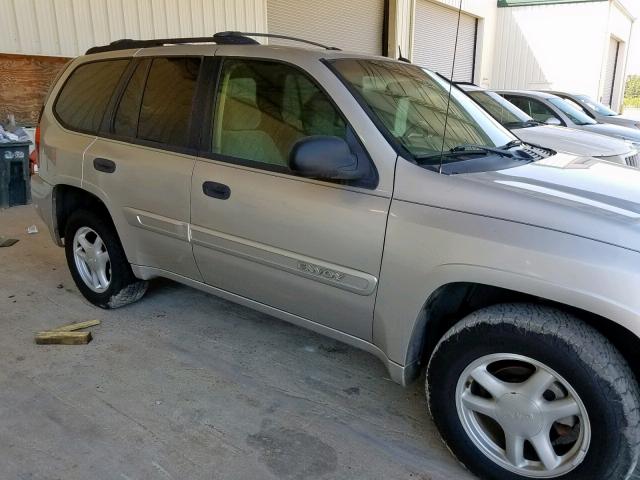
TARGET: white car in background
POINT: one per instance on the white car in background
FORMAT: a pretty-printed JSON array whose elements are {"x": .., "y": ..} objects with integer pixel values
[
  {"x": 568, "y": 140},
  {"x": 553, "y": 110},
  {"x": 597, "y": 110}
]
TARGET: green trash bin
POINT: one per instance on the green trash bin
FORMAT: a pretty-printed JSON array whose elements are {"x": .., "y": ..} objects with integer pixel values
[{"x": 15, "y": 186}]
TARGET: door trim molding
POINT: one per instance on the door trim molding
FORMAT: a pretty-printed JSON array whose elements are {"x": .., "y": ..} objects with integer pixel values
[{"x": 354, "y": 281}]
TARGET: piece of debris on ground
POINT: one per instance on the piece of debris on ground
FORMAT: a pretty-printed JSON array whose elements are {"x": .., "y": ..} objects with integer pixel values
[
  {"x": 32, "y": 230},
  {"x": 7, "y": 242}
]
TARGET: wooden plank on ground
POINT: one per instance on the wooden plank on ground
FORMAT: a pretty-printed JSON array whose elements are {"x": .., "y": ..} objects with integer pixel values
[
  {"x": 77, "y": 326},
  {"x": 63, "y": 338}
]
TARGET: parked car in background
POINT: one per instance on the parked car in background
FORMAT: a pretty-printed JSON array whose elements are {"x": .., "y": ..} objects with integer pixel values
[
  {"x": 553, "y": 110},
  {"x": 597, "y": 110},
  {"x": 569, "y": 140},
  {"x": 367, "y": 200}
]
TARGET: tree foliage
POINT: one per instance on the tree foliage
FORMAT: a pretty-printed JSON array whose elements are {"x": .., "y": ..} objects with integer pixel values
[{"x": 632, "y": 89}]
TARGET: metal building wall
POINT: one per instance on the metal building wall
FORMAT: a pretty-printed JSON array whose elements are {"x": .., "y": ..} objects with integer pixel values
[
  {"x": 551, "y": 47},
  {"x": 68, "y": 27}
]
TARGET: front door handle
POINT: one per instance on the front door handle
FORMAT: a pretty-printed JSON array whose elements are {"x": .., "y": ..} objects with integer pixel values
[
  {"x": 104, "y": 165},
  {"x": 216, "y": 190}
]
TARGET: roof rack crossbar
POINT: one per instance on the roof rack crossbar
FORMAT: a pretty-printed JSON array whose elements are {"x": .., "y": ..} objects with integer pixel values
[{"x": 276, "y": 35}]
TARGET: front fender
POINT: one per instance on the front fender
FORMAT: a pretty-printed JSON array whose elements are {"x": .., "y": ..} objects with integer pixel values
[{"x": 428, "y": 247}]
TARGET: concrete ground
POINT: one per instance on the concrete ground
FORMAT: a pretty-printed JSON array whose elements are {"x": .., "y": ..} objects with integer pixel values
[{"x": 183, "y": 385}]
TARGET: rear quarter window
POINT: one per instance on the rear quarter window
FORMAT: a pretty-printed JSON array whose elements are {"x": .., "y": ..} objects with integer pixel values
[{"x": 85, "y": 95}]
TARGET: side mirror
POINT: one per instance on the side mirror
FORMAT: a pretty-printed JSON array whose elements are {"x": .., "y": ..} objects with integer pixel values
[
  {"x": 553, "y": 121},
  {"x": 325, "y": 157}
]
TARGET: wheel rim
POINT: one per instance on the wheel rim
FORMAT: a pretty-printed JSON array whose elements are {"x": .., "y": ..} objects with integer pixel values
[
  {"x": 92, "y": 259},
  {"x": 523, "y": 415}
]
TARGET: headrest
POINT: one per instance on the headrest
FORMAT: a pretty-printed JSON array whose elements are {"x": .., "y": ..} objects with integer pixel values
[
  {"x": 397, "y": 89},
  {"x": 241, "y": 109},
  {"x": 319, "y": 115}
]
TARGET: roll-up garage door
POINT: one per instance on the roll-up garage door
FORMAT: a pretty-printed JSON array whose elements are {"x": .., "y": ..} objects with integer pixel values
[
  {"x": 435, "y": 36},
  {"x": 354, "y": 25},
  {"x": 610, "y": 73}
]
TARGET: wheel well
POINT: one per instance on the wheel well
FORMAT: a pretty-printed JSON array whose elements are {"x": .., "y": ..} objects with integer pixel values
[
  {"x": 452, "y": 302},
  {"x": 68, "y": 199}
]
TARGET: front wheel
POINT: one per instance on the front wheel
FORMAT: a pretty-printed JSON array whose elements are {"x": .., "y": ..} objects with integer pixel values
[{"x": 525, "y": 391}]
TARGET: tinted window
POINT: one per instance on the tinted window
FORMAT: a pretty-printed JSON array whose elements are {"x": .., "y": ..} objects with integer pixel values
[
  {"x": 85, "y": 95},
  {"x": 501, "y": 109},
  {"x": 520, "y": 102},
  {"x": 540, "y": 112},
  {"x": 126, "y": 119},
  {"x": 168, "y": 99},
  {"x": 263, "y": 108}
]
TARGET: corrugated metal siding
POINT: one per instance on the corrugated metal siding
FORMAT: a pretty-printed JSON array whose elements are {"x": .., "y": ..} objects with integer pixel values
[
  {"x": 355, "y": 25},
  {"x": 434, "y": 40},
  {"x": 537, "y": 48},
  {"x": 70, "y": 27}
]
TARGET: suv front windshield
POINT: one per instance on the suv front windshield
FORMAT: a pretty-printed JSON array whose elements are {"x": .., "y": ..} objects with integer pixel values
[
  {"x": 411, "y": 106},
  {"x": 576, "y": 116},
  {"x": 502, "y": 109},
  {"x": 597, "y": 106}
]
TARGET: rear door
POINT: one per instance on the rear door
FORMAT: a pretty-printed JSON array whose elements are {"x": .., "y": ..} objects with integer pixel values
[
  {"x": 311, "y": 248},
  {"x": 143, "y": 160}
]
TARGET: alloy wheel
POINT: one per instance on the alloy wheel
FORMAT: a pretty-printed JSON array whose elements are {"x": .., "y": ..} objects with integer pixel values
[
  {"x": 523, "y": 415},
  {"x": 92, "y": 259}
]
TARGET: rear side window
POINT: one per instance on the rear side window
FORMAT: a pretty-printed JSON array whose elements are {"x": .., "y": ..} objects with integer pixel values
[
  {"x": 126, "y": 119},
  {"x": 86, "y": 93},
  {"x": 168, "y": 99}
]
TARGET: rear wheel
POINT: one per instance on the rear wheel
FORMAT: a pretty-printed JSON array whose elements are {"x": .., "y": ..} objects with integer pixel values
[
  {"x": 98, "y": 263},
  {"x": 524, "y": 391}
]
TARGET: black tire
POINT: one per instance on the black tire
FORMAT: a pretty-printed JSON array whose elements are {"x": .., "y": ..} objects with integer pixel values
[
  {"x": 124, "y": 287},
  {"x": 583, "y": 357}
]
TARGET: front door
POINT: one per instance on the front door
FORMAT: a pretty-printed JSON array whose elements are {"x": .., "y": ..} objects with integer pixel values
[{"x": 310, "y": 248}]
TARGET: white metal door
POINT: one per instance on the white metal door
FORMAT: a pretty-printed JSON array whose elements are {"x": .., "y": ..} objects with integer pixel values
[
  {"x": 434, "y": 40},
  {"x": 355, "y": 25},
  {"x": 610, "y": 73}
]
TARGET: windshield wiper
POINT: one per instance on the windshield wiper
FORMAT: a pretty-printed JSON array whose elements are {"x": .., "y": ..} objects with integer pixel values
[
  {"x": 503, "y": 151},
  {"x": 511, "y": 144}
]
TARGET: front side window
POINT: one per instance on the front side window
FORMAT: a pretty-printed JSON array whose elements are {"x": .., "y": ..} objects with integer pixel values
[
  {"x": 264, "y": 107},
  {"x": 577, "y": 116},
  {"x": 502, "y": 110},
  {"x": 520, "y": 102},
  {"x": 86, "y": 93},
  {"x": 167, "y": 101},
  {"x": 538, "y": 110},
  {"x": 411, "y": 105}
]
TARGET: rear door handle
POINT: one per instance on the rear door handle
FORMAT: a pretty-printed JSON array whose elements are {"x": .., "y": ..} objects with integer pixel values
[
  {"x": 104, "y": 165},
  {"x": 216, "y": 190}
]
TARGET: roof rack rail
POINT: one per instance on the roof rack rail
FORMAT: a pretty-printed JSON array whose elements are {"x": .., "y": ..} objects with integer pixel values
[
  {"x": 220, "y": 38},
  {"x": 231, "y": 34}
]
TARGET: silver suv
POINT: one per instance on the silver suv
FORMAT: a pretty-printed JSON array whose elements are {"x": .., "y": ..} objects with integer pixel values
[{"x": 365, "y": 199}]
